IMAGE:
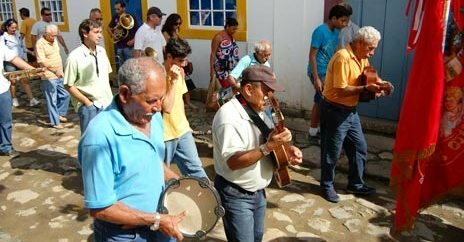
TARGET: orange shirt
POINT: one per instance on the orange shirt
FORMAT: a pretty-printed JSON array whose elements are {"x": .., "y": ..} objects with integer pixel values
[
  {"x": 343, "y": 70},
  {"x": 26, "y": 27}
]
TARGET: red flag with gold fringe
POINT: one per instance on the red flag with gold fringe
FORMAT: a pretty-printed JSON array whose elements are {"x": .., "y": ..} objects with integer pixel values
[{"x": 429, "y": 148}]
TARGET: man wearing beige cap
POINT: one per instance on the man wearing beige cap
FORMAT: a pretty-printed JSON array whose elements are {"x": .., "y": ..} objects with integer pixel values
[
  {"x": 243, "y": 137},
  {"x": 149, "y": 35}
]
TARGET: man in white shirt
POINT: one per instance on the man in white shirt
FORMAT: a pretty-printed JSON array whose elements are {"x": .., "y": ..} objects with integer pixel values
[{"x": 148, "y": 35}]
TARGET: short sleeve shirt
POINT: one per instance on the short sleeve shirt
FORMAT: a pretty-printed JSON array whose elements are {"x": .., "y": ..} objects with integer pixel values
[
  {"x": 90, "y": 74},
  {"x": 119, "y": 163},
  {"x": 176, "y": 123},
  {"x": 147, "y": 36},
  {"x": 245, "y": 62},
  {"x": 4, "y": 56},
  {"x": 343, "y": 70},
  {"x": 26, "y": 28},
  {"x": 49, "y": 53},
  {"x": 325, "y": 41}
]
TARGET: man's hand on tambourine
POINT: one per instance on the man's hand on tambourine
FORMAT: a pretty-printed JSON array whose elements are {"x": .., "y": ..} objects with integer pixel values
[{"x": 169, "y": 225}]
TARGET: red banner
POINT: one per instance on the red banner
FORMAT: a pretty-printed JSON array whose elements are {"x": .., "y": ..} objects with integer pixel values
[{"x": 429, "y": 148}]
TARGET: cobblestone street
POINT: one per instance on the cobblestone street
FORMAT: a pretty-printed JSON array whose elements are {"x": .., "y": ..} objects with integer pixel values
[{"x": 41, "y": 191}]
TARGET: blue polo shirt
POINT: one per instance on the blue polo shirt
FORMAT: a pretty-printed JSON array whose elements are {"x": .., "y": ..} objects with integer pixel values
[
  {"x": 120, "y": 163},
  {"x": 245, "y": 62}
]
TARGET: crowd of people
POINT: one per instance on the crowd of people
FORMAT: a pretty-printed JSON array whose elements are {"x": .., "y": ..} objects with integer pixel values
[{"x": 130, "y": 138}]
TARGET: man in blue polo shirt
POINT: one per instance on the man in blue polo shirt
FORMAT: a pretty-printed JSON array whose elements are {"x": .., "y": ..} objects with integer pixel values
[
  {"x": 262, "y": 54},
  {"x": 121, "y": 155}
]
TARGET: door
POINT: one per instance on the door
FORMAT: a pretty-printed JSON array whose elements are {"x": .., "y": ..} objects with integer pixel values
[
  {"x": 390, "y": 59},
  {"x": 137, "y": 8}
]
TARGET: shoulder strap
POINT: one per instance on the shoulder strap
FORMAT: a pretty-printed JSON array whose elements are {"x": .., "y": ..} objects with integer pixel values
[{"x": 265, "y": 130}]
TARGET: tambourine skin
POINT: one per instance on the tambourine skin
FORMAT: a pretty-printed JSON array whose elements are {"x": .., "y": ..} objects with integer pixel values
[{"x": 199, "y": 199}]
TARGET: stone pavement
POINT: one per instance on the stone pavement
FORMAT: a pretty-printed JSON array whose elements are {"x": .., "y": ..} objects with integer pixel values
[{"x": 41, "y": 192}]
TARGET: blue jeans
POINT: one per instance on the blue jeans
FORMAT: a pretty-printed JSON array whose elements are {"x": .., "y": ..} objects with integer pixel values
[
  {"x": 183, "y": 152},
  {"x": 244, "y": 211},
  {"x": 57, "y": 99},
  {"x": 6, "y": 122},
  {"x": 104, "y": 231},
  {"x": 123, "y": 54},
  {"x": 341, "y": 128},
  {"x": 86, "y": 114}
]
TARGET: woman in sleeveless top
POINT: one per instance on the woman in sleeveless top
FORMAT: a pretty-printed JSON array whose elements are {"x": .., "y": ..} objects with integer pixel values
[{"x": 224, "y": 53}]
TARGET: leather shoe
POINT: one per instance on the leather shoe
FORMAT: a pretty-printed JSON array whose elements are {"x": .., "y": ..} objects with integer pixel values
[
  {"x": 331, "y": 196},
  {"x": 364, "y": 190},
  {"x": 12, "y": 153}
]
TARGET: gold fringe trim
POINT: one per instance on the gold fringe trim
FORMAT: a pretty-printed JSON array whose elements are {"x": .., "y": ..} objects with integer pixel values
[{"x": 403, "y": 160}]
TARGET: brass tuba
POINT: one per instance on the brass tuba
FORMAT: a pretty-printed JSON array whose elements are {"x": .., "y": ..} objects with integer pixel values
[{"x": 121, "y": 30}]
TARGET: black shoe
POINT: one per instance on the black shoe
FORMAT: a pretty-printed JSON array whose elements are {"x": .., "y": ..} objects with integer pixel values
[
  {"x": 12, "y": 153},
  {"x": 331, "y": 196},
  {"x": 364, "y": 190}
]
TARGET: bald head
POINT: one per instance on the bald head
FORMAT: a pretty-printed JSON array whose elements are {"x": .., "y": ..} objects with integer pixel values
[{"x": 134, "y": 72}]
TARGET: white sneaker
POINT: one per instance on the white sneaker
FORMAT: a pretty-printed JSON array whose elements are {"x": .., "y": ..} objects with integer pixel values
[
  {"x": 313, "y": 132},
  {"x": 34, "y": 102},
  {"x": 15, "y": 102}
]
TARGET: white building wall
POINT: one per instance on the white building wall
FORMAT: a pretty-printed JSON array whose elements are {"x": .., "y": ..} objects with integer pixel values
[{"x": 286, "y": 24}]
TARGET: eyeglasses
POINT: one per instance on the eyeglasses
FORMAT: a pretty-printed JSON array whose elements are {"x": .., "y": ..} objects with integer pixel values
[
  {"x": 99, "y": 19},
  {"x": 48, "y": 14}
]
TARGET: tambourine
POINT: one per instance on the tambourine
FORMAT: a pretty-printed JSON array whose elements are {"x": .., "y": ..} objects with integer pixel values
[{"x": 199, "y": 199}]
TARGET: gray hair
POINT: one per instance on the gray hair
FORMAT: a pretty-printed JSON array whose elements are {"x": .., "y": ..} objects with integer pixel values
[
  {"x": 262, "y": 45},
  {"x": 135, "y": 71},
  {"x": 50, "y": 28},
  {"x": 368, "y": 34}
]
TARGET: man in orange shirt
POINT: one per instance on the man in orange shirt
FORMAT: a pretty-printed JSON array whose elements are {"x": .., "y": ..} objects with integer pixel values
[
  {"x": 26, "y": 27},
  {"x": 340, "y": 124}
]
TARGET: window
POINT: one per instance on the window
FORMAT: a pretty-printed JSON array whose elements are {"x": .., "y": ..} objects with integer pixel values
[
  {"x": 211, "y": 13},
  {"x": 58, "y": 11},
  {"x": 204, "y": 18},
  {"x": 7, "y": 10}
]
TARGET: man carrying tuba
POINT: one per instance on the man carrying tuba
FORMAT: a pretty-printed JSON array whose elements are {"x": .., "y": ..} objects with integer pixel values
[{"x": 122, "y": 30}]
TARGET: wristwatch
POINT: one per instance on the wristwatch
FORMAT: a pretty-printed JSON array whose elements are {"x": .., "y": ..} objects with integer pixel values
[
  {"x": 264, "y": 150},
  {"x": 155, "y": 226}
]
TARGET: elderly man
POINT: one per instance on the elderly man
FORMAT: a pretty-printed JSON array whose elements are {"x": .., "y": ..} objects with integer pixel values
[
  {"x": 6, "y": 119},
  {"x": 241, "y": 152},
  {"x": 121, "y": 156},
  {"x": 96, "y": 15},
  {"x": 180, "y": 145},
  {"x": 262, "y": 54},
  {"x": 148, "y": 35},
  {"x": 124, "y": 44},
  {"x": 87, "y": 74},
  {"x": 38, "y": 29},
  {"x": 48, "y": 56},
  {"x": 340, "y": 124}
]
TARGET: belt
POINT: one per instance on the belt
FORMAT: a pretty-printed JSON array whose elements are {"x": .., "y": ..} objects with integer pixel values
[
  {"x": 338, "y": 105},
  {"x": 221, "y": 179}
]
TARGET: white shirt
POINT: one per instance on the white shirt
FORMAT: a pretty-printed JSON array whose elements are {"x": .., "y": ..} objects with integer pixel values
[
  {"x": 14, "y": 46},
  {"x": 234, "y": 131},
  {"x": 147, "y": 36},
  {"x": 4, "y": 56}
]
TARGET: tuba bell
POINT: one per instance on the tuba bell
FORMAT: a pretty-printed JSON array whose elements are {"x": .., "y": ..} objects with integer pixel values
[{"x": 121, "y": 30}]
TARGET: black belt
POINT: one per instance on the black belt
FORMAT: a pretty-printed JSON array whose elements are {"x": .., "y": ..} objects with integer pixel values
[{"x": 221, "y": 179}]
